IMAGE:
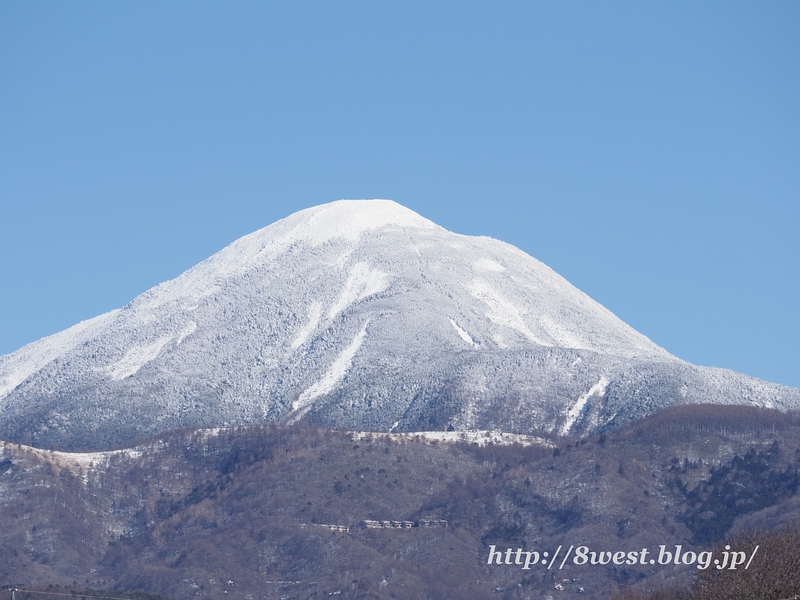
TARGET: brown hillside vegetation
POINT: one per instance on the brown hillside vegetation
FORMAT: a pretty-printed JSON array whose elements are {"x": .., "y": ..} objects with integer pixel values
[
  {"x": 773, "y": 575},
  {"x": 687, "y": 420},
  {"x": 249, "y": 512}
]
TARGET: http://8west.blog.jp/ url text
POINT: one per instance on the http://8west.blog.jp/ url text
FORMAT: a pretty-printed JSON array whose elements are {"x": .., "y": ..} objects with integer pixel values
[{"x": 583, "y": 556}]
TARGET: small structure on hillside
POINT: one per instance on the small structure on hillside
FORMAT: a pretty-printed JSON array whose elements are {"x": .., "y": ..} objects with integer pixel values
[
  {"x": 433, "y": 523},
  {"x": 373, "y": 524},
  {"x": 337, "y": 528}
]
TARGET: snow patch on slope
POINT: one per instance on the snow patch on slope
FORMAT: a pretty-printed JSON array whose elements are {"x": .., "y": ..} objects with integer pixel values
[
  {"x": 502, "y": 312},
  {"x": 561, "y": 335},
  {"x": 463, "y": 334},
  {"x": 487, "y": 264},
  {"x": 573, "y": 413},
  {"x": 362, "y": 282},
  {"x": 314, "y": 314},
  {"x": 77, "y": 463},
  {"x": 186, "y": 332},
  {"x": 330, "y": 379},
  {"x": 136, "y": 358}
]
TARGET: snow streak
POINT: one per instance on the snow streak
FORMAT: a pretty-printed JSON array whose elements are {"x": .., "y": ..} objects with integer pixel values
[
  {"x": 573, "y": 413},
  {"x": 330, "y": 379}
]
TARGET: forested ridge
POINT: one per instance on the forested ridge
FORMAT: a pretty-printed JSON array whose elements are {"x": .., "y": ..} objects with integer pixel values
[{"x": 250, "y": 512}]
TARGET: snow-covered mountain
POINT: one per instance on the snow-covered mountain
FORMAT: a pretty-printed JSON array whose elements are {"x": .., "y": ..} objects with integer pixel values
[{"x": 360, "y": 315}]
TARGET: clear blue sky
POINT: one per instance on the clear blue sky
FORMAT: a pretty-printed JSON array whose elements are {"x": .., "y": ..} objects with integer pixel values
[{"x": 647, "y": 151}]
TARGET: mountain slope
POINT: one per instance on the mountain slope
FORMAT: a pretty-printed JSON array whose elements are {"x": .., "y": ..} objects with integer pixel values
[{"x": 359, "y": 315}]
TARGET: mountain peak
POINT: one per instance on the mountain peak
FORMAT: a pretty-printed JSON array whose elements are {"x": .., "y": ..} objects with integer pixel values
[
  {"x": 358, "y": 314},
  {"x": 348, "y": 220}
]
